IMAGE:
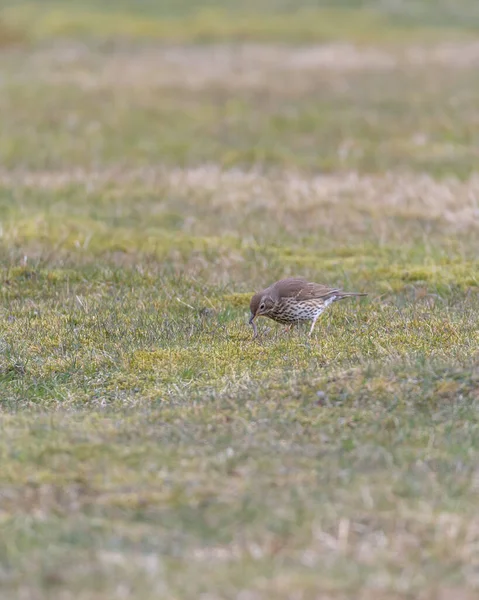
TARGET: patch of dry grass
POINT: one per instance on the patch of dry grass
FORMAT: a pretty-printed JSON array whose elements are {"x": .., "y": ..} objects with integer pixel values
[
  {"x": 281, "y": 202},
  {"x": 238, "y": 66}
]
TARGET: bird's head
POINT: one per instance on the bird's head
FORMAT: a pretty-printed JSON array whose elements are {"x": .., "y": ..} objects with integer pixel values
[{"x": 261, "y": 304}]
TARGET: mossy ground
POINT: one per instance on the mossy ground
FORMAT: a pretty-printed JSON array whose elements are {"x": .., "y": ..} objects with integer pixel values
[{"x": 150, "y": 448}]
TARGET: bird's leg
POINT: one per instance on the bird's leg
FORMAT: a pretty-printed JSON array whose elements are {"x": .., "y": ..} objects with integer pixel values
[
  {"x": 288, "y": 328},
  {"x": 314, "y": 323}
]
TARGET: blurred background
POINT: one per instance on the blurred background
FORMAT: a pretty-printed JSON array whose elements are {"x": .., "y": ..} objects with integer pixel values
[{"x": 320, "y": 85}]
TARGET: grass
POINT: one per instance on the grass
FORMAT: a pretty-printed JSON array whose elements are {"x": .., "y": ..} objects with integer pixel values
[
  {"x": 371, "y": 110},
  {"x": 150, "y": 448},
  {"x": 268, "y": 20}
]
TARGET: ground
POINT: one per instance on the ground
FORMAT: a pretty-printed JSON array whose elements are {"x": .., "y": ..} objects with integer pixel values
[{"x": 160, "y": 162}]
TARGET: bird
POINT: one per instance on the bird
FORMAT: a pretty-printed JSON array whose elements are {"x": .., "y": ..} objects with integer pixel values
[{"x": 293, "y": 300}]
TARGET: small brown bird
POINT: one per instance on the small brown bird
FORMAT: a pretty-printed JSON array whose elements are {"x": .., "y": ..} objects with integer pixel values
[{"x": 294, "y": 299}]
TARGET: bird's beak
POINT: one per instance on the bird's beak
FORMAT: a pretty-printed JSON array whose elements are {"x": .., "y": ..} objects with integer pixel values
[{"x": 251, "y": 322}]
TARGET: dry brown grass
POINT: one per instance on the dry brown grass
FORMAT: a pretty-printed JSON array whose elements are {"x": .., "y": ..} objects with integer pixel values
[
  {"x": 244, "y": 66},
  {"x": 292, "y": 198}
]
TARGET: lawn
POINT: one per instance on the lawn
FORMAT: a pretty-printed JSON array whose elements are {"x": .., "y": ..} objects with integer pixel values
[{"x": 161, "y": 162}]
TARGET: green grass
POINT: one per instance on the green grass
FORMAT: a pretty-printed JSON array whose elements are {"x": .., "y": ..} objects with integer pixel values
[
  {"x": 150, "y": 447},
  {"x": 194, "y": 21},
  {"x": 145, "y": 435}
]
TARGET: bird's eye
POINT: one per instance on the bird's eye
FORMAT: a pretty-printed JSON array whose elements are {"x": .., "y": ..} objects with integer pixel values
[{"x": 261, "y": 306}]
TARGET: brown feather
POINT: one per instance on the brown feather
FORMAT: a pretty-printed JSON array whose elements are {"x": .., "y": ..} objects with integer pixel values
[{"x": 300, "y": 289}]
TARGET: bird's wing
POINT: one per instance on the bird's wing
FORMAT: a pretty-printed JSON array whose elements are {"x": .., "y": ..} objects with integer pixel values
[
  {"x": 301, "y": 289},
  {"x": 317, "y": 290}
]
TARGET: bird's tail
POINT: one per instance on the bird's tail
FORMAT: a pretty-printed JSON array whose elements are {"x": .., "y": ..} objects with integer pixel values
[{"x": 349, "y": 295}]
